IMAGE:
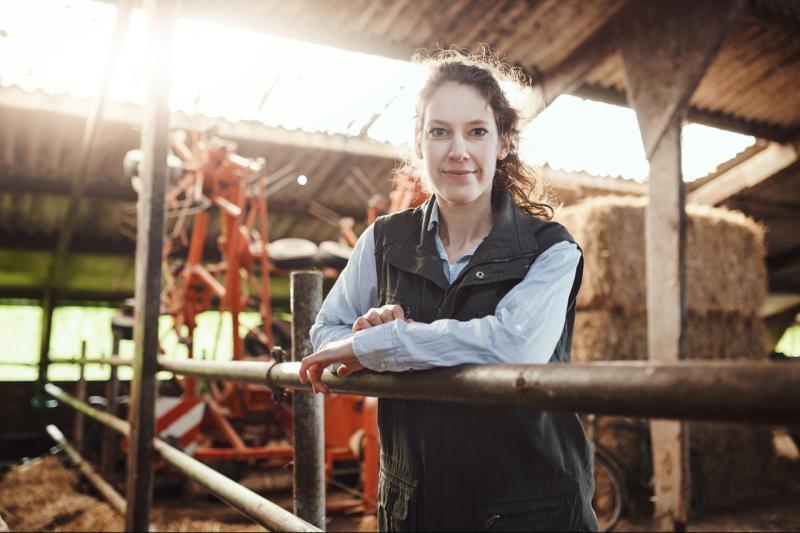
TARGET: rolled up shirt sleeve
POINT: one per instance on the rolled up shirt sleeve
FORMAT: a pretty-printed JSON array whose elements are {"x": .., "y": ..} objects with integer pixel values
[
  {"x": 524, "y": 328},
  {"x": 353, "y": 294}
]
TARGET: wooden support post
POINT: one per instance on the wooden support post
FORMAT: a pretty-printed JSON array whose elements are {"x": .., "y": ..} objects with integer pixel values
[
  {"x": 149, "y": 244},
  {"x": 77, "y": 432},
  {"x": 108, "y": 454},
  {"x": 668, "y": 46},
  {"x": 44, "y": 343}
]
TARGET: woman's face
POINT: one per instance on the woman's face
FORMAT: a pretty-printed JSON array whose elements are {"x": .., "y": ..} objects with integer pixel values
[{"x": 460, "y": 144}]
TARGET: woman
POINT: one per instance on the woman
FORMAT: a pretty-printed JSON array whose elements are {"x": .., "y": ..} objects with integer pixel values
[{"x": 477, "y": 274}]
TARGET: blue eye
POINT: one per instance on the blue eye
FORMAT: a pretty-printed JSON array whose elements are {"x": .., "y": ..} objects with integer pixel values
[
  {"x": 479, "y": 132},
  {"x": 437, "y": 132}
]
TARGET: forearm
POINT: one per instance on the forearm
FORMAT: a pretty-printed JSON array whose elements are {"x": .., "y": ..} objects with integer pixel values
[
  {"x": 524, "y": 329},
  {"x": 399, "y": 346}
]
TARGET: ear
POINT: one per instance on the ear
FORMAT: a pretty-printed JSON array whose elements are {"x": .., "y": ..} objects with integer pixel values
[{"x": 503, "y": 148}]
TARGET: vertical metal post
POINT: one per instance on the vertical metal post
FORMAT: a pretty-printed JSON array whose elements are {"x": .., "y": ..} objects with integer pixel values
[
  {"x": 44, "y": 344},
  {"x": 307, "y": 407},
  {"x": 108, "y": 455},
  {"x": 77, "y": 432},
  {"x": 149, "y": 244}
]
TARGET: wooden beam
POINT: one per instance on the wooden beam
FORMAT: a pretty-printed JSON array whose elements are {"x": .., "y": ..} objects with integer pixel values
[
  {"x": 749, "y": 173},
  {"x": 667, "y": 47},
  {"x": 128, "y": 113},
  {"x": 666, "y": 75},
  {"x": 104, "y": 188},
  {"x": 161, "y": 16},
  {"x": 570, "y": 73},
  {"x": 570, "y": 181},
  {"x": 714, "y": 119}
]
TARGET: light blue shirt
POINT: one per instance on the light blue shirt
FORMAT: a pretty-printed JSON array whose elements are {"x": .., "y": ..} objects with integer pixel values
[{"x": 524, "y": 328}]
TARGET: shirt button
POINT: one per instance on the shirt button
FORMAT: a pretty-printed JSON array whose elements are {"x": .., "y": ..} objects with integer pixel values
[{"x": 479, "y": 274}]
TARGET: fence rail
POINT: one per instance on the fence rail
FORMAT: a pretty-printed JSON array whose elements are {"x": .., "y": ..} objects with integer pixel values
[
  {"x": 765, "y": 392},
  {"x": 260, "y": 510}
]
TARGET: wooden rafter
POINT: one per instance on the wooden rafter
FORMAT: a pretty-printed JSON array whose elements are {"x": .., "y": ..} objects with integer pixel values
[
  {"x": 130, "y": 114},
  {"x": 570, "y": 73},
  {"x": 749, "y": 173},
  {"x": 715, "y": 119}
]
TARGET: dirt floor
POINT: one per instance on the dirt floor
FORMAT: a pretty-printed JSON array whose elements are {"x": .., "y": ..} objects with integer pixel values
[{"x": 44, "y": 495}]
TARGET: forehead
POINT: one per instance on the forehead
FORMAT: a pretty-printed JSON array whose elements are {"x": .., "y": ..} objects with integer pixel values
[{"x": 456, "y": 103}]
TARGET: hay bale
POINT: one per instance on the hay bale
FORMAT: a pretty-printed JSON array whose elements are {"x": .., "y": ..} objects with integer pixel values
[
  {"x": 726, "y": 286},
  {"x": 193, "y": 524},
  {"x": 724, "y": 257},
  {"x": 40, "y": 495},
  {"x": 97, "y": 517},
  {"x": 602, "y": 335}
]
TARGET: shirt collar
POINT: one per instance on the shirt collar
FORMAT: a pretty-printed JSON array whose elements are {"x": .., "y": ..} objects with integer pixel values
[{"x": 433, "y": 221}]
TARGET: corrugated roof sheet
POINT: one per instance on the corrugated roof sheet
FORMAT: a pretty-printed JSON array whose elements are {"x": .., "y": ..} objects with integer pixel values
[{"x": 246, "y": 76}]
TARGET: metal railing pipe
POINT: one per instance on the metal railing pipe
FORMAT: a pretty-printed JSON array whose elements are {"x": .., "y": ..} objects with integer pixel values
[
  {"x": 723, "y": 391},
  {"x": 240, "y": 371},
  {"x": 260, "y": 510},
  {"x": 308, "y": 415},
  {"x": 103, "y": 487},
  {"x": 766, "y": 392}
]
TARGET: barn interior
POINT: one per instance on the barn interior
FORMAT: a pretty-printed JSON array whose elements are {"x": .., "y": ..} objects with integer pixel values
[{"x": 68, "y": 208}]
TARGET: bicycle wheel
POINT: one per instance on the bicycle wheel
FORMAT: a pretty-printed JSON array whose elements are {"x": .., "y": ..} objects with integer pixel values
[{"x": 609, "y": 491}]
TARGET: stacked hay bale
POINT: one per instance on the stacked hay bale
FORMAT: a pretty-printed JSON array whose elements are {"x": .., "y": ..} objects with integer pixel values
[
  {"x": 725, "y": 288},
  {"x": 45, "y": 495}
]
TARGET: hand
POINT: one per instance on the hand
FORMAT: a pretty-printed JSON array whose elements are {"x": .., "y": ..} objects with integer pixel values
[
  {"x": 312, "y": 366},
  {"x": 380, "y": 315}
]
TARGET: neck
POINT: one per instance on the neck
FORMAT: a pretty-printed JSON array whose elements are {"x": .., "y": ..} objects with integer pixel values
[{"x": 462, "y": 225}]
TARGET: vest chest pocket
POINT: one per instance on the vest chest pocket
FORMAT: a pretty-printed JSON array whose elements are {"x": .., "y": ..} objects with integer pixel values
[
  {"x": 397, "y": 503},
  {"x": 557, "y": 511}
]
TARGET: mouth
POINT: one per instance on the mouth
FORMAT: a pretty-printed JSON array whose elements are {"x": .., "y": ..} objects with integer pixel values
[{"x": 458, "y": 173}]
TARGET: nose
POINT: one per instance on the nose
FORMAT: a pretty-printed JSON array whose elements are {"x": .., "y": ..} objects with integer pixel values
[{"x": 458, "y": 149}]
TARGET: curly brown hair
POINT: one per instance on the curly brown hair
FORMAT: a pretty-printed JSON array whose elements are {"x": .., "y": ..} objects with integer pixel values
[{"x": 482, "y": 71}]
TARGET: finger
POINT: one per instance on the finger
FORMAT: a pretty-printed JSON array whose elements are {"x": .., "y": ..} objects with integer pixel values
[
  {"x": 361, "y": 323},
  {"x": 386, "y": 316},
  {"x": 315, "y": 375},
  {"x": 303, "y": 370},
  {"x": 373, "y": 317},
  {"x": 397, "y": 312},
  {"x": 343, "y": 371},
  {"x": 409, "y": 320}
]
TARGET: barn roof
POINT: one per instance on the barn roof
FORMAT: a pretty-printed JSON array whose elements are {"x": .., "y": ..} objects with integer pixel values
[{"x": 750, "y": 87}]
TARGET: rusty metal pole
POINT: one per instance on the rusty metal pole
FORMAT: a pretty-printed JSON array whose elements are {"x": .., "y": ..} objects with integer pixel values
[
  {"x": 108, "y": 454},
  {"x": 307, "y": 407},
  {"x": 114, "y": 498},
  {"x": 149, "y": 245},
  {"x": 77, "y": 432},
  {"x": 262, "y": 511},
  {"x": 48, "y": 303}
]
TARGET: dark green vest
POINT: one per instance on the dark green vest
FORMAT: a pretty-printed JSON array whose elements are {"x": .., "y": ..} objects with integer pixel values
[{"x": 454, "y": 467}]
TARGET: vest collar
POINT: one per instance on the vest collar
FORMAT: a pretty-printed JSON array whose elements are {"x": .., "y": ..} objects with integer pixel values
[
  {"x": 510, "y": 237},
  {"x": 506, "y": 239}
]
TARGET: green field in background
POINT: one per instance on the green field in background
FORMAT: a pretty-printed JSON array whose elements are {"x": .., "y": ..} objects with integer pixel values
[{"x": 20, "y": 329}]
